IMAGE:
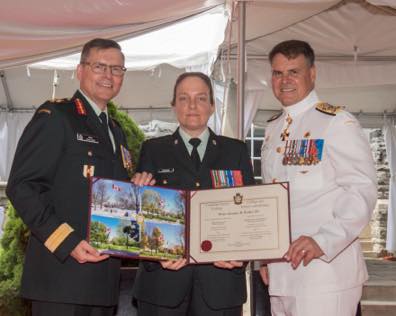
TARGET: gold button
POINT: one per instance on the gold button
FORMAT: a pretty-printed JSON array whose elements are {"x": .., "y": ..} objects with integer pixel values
[
  {"x": 165, "y": 181},
  {"x": 197, "y": 184}
]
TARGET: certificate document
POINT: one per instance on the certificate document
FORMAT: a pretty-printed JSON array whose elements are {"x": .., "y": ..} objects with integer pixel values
[
  {"x": 239, "y": 223},
  {"x": 156, "y": 223}
]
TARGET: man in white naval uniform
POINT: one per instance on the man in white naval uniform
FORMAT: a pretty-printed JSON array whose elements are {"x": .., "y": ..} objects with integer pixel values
[{"x": 323, "y": 153}]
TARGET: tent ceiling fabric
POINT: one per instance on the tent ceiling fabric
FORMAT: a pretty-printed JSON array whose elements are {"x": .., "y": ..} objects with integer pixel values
[
  {"x": 339, "y": 31},
  {"x": 354, "y": 42},
  {"x": 37, "y": 30},
  {"x": 190, "y": 42}
]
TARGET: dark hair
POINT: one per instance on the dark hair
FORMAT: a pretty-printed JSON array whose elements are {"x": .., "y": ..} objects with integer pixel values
[
  {"x": 200, "y": 75},
  {"x": 98, "y": 43},
  {"x": 293, "y": 48}
]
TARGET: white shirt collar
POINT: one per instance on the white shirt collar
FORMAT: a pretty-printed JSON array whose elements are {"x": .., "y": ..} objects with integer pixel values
[
  {"x": 305, "y": 104},
  {"x": 96, "y": 109}
]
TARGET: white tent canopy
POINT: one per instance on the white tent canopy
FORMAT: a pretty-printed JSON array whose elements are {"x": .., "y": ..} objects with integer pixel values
[
  {"x": 355, "y": 46},
  {"x": 190, "y": 43},
  {"x": 41, "y": 29}
]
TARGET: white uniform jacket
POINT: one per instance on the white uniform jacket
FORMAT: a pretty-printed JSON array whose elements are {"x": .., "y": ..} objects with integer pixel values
[{"x": 331, "y": 201}]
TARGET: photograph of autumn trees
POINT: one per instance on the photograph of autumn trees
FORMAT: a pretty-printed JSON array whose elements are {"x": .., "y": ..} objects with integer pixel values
[{"x": 137, "y": 221}]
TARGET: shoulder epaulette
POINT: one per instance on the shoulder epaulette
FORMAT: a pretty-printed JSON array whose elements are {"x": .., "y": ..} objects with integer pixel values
[
  {"x": 328, "y": 108},
  {"x": 274, "y": 117},
  {"x": 59, "y": 100},
  {"x": 80, "y": 108},
  {"x": 43, "y": 110}
]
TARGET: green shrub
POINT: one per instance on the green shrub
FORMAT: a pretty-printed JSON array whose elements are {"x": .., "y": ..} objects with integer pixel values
[{"x": 13, "y": 244}]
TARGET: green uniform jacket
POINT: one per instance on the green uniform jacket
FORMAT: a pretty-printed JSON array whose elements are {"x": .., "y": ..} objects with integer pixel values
[
  {"x": 168, "y": 160},
  {"x": 48, "y": 188}
]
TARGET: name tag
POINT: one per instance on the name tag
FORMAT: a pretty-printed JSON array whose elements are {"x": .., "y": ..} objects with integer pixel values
[
  {"x": 168, "y": 170},
  {"x": 87, "y": 138}
]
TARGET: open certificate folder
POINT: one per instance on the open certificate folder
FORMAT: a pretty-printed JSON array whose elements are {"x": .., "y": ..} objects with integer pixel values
[{"x": 156, "y": 223}]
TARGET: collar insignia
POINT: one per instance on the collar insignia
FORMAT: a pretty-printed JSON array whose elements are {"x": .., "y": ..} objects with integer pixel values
[{"x": 80, "y": 108}]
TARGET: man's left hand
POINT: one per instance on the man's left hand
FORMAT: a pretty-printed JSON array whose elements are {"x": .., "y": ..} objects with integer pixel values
[
  {"x": 303, "y": 249},
  {"x": 228, "y": 264}
]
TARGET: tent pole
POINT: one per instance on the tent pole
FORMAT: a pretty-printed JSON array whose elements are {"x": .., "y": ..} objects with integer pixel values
[
  {"x": 9, "y": 104},
  {"x": 241, "y": 69}
]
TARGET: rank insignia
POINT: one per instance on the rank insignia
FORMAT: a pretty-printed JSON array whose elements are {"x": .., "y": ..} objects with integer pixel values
[
  {"x": 226, "y": 178},
  {"x": 126, "y": 158},
  {"x": 80, "y": 108},
  {"x": 88, "y": 171},
  {"x": 63, "y": 100},
  {"x": 43, "y": 111},
  {"x": 328, "y": 108}
]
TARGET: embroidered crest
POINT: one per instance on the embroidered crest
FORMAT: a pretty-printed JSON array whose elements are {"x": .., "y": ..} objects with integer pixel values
[{"x": 238, "y": 198}]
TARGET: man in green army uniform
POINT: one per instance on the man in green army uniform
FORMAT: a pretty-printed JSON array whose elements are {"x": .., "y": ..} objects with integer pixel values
[{"x": 65, "y": 143}]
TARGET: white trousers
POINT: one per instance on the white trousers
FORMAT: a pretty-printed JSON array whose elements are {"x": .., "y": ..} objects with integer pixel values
[{"x": 342, "y": 303}]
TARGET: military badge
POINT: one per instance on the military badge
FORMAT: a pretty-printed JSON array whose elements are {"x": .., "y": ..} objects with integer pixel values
[
  {"x": 285, "y": 134},
  {"x": 226, "y": 178},
  {"x": 328, "y": 108},
  {"x": 274, "y": 117},
  {"x": 60, "y": 100},
  {"x": 126, "y": 158},
  {"x": 47, "y": 111},
  {"x": 303, "y": 152},
  {"x": 88, "y": 171}
]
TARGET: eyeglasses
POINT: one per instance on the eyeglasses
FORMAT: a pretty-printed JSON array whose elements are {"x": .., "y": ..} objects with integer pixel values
[{"x": 100, "y": 68}]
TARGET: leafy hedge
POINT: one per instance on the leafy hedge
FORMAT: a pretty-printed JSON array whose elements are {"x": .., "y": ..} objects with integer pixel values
[{"x": 15, "y": 236}]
